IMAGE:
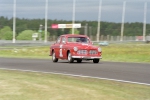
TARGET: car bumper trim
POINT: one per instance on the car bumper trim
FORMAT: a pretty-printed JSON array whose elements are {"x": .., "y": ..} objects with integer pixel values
[{"x": 85, "y": 57}]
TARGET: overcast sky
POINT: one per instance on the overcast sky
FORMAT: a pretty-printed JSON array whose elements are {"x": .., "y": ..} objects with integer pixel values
[{"x": 111, "y": 10}]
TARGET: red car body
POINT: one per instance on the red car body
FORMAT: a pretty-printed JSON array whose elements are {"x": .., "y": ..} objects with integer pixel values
[{"x": 75, "y": 47}]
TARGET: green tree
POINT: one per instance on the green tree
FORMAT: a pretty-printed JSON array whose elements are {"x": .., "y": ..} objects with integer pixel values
[
  {"x": 6, "y": 33},
  {"x": 106, "y": 28},
  {"x": 43, "y": 35},
  {"x": 76, "y": 31},
  {"x": 25, "y": 35}
]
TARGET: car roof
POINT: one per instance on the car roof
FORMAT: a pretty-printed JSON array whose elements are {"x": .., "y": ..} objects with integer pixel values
[{"x": 73, "y": 35}]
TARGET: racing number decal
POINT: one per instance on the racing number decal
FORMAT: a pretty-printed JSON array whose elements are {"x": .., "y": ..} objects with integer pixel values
[{"x": 60, "y": 51}]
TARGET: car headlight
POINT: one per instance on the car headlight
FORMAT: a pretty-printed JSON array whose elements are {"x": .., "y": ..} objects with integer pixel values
[
  {"x": 75, "y": 49},
  {"x": 99, "y": 50}
]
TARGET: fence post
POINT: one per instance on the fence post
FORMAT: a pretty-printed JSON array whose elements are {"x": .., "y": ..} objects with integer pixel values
[
  {"x": 111, "y": 38},
  {"x": 101, "y": 37},
  {"x": 107, "y": 38}
]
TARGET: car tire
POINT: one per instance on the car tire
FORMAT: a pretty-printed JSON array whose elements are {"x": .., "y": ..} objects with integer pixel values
[
  {"x": 54, "y": 59},
  {"x": 79, "y": 60},
  {"x": 70, "y": 59},
  {"x": 95, "y": 60}
]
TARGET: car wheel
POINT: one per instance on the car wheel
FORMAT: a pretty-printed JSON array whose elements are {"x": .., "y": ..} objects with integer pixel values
[
  {"x": 54, "y": 59},
  {"x": 95, "y": 60},
  {"x": 79, "y": 60},
  {"x": 70, "y": 59}
]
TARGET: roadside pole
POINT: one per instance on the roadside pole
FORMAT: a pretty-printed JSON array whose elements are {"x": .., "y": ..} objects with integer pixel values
[
  {"x": 14, "y": 22},
  {"x": 123, "y": 17},
  {"x": 144, "y": 22},
  {"x": 46, "y": 11},
  {"x": 73, "y": 15},
  {"x": 99, "y": 17}
]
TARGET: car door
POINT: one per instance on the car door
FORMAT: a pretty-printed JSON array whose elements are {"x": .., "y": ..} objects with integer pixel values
[
  {"x": 57, "y": 47},
  {"x": 63, "y": 48},
  {"x": 60, "y": 47}
]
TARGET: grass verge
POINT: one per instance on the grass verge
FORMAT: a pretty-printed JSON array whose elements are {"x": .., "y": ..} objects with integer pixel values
[
  {"x": 127, "y": 53},
  {"x": 15, "y": 85},
  {"x": 113, "y": 52}
]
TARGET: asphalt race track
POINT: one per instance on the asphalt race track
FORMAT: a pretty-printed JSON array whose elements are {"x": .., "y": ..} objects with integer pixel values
[{"x": 126, "y": 72}]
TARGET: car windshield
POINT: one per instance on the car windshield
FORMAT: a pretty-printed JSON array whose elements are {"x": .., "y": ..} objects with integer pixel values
[{"x": 78, "y": 39}]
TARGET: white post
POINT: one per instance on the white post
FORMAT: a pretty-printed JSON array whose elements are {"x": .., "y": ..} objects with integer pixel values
[
  {"x": 14, "y": 22},
  {"x": 123, "y": 16},
  {"x": 99, "y": 17},
  {"x": 73, "y": 15},
  {"x": 144, "y": 22},
  {"x": 40, "y": 34},
  {"x": 46, "y": 11}
]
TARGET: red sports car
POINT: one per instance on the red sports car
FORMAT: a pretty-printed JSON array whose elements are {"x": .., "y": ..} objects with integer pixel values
[{"x": 75, "y": 47}]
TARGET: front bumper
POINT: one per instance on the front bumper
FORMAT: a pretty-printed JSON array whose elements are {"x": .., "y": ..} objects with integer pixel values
[{"x": 86, "y": 57}]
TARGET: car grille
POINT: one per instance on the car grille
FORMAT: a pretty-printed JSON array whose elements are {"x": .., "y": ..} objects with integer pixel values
[
  {"x": 93, "y": 52},
  {"x": 83, "y": 52}
]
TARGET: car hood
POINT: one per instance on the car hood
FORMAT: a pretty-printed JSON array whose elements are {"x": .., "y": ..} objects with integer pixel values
[{"x": 83, "y": 46}]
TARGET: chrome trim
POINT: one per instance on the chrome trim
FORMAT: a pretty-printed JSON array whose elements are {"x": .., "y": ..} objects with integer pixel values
[
  {"x": 86, "y": 57},
  {"x": 93, "y": 52},
  {"x": 84, "y": 52}
]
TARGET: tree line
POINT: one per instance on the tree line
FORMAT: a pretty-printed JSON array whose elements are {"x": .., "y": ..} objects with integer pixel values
[{"x": 88, "y": 27}]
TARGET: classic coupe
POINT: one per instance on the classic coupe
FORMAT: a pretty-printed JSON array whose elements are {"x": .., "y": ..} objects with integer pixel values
[{"x": 74, "y": 47}]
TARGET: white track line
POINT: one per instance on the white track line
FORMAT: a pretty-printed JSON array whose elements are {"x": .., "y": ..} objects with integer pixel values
[{"x": 78, "y": 76}]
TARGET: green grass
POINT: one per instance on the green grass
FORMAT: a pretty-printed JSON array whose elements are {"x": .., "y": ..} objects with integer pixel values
[
  {"x": 113, "y": 52},
  {"x": 15, "y": 85},
  {"x": 25, "y": 52},
  {"x": 127, "y": 53}
]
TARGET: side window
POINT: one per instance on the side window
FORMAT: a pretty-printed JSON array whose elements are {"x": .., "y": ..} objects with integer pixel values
[
  {"x": 63, "y": 40},
  {"x": 58, "y": 40}
]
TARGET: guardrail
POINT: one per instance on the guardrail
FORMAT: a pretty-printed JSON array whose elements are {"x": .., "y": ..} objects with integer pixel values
[
  {"x": 120, "y": 42},
  {"x": 24, "y": 43},
  {"x": 42, "y": 43}
]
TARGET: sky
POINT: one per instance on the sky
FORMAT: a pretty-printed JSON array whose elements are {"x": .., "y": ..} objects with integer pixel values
[{"x": 111, "y": 10}]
